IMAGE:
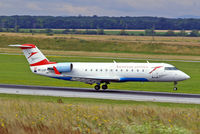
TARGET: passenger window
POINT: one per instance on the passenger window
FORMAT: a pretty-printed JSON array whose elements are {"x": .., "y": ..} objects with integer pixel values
[
  {"x": 106, "y": 70},
  {"x": 116, "y": 70},
  {"x": 126, "y": 70},
  {"x": 91, "y": 70},
  {"x": 85, "y": 69},
  {"x": 96, "y": 69},
  {"x": 132, "y": 70},
  {"x": 137, "y": 70},
  {"x": 121, "y": 70}
]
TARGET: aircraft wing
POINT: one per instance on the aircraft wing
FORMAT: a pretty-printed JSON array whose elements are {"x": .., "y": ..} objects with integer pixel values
[
  {"x": 93, "y": 80},
  {"x": 90, "y": 80}
]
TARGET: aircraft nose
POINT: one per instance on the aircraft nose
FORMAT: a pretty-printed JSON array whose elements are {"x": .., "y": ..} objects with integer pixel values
[
  {"x": 187, "y": 76},
  {"x": 182, "y": 76}
]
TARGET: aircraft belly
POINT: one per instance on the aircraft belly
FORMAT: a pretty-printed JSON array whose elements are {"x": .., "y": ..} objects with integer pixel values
[
  {"x": 62, "y": 77},
  {"x": 134, "y": 79}
]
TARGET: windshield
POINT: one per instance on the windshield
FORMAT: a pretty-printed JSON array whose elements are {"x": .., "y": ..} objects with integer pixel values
[{"x": 171, "y": 68}]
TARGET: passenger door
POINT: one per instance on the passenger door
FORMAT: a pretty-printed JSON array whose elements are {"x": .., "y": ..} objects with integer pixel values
[{"x": 156, "y": 72}]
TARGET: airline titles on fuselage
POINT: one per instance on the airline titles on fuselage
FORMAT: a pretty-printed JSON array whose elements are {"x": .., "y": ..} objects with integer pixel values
[{"x": 129, "y": 67}]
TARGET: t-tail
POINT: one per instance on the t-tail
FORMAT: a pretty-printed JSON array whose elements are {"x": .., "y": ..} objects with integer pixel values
[{"x": 33, "y": 55}]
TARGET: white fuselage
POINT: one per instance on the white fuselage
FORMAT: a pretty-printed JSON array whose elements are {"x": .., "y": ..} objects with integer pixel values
[
  {"x": 99, "y": 73},
  {"x": 116, "y": 72}
]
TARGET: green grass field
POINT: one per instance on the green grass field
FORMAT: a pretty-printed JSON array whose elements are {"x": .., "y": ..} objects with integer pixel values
[
  {"x": 115, "y": 44},
  {"x": 14, "y": 69},
  {"x": 43, "y": 114},
  {"x": 117, "y": 32},
  {"x": 106, "y": 31}
]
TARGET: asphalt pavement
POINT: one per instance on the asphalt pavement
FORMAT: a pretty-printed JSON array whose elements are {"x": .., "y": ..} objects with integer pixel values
[{"x": 108, "y": 94}]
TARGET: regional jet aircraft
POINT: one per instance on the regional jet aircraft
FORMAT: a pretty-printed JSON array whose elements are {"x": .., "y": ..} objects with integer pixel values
[{"x": 101, "y": 73}]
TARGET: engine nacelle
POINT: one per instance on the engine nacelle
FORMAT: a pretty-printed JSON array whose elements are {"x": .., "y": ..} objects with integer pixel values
[{"x": 64, "y": 67}]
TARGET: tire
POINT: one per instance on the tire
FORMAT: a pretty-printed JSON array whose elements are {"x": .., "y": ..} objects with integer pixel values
[
  {"x": 104, "y": 87},
  {"x": 97, "y": 87},
  {"x": 175, "y": 88}
]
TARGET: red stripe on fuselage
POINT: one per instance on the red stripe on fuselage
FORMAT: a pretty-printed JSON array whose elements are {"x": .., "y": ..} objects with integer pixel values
[
  {"x": 155, "y": 69},
  {"x": 43, "y": 62},
  {"x": 56, "y": 71}
]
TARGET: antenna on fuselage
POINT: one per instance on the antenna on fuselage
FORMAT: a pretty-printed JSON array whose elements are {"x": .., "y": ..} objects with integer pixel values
[
  {"x": 114, "y": 61},
  {"x": 147, "y": 61}
]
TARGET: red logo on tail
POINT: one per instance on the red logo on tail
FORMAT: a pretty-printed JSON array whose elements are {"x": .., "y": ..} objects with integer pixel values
[{"x": 33, "y": 53}]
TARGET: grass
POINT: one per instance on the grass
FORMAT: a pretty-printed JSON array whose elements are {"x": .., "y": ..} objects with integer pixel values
[
  {"x": 113, "y": 44},
  {"x": 107, "y": 54},
  {"x": 14, "y": 69},
  {"x": 106, "y": 31},
  {"x": 26, "y": 114},
  {"x": 129, "y": 32}
]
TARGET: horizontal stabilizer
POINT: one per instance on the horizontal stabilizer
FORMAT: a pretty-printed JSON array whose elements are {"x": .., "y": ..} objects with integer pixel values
[
  {"x": 16, "y": 45},
  {"x": 23, "y": 46}
]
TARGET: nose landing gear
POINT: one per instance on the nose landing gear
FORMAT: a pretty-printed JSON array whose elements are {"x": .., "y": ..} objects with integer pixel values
[{"x": 175, "y": 83}]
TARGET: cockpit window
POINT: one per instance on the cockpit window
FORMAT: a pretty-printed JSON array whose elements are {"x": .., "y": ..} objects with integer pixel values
[{"x": 171, "y": 68}]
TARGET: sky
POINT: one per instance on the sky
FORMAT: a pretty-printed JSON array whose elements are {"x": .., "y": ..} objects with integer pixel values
[{"x": 156, "y": 8}]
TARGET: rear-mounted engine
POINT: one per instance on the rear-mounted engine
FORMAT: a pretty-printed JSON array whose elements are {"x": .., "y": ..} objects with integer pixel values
[{"x": 63, "y": 67}]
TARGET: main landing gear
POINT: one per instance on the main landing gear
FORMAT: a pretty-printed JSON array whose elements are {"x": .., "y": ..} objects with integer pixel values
[
  {"x": 98, "y": 86},
  {"x": 175, "y": 83},
  {"x": 104, "y": 87}
]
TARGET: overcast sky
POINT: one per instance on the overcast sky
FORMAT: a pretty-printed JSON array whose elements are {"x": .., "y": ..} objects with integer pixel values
[{"x": 160, "y": 8}]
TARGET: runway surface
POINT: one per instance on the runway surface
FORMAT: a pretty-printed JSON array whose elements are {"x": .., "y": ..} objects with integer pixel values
[{"x": 108, "y": 94}]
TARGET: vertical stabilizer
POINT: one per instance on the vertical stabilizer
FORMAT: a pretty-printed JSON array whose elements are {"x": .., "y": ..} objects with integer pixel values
[{"x": 33, "y": 55}]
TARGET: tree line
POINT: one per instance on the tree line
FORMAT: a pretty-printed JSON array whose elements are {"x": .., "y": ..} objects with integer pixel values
[{"x": 95, "y": 22}]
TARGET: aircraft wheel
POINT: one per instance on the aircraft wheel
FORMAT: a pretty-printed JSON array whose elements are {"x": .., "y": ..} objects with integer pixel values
[
  {"x": 104, "y": 87},
  {"x": 175, "y": 83},
  {"x": 97, "y": 87}
]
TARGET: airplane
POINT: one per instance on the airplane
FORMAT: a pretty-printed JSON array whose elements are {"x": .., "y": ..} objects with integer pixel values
[{"x": 101, "y": 73}]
